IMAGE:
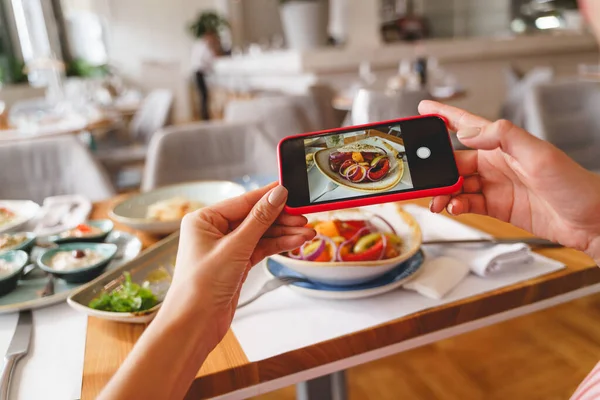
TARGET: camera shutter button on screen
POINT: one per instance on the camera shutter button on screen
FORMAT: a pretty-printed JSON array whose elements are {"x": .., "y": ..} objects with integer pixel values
[{"x": 423, "y": 152}]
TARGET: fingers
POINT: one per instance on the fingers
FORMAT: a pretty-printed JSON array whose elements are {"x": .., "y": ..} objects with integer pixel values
[
  {"x": 260, "y": 217},
  {"x": 439, "y": 203},
  {"x": 466, "y": 160},
  {"x": 467, "y": 203},
  {"x": 472, "y": 184},
  {"x": 276, "y": 231},
  {"x": 457, "y": 118},
  {"x": 269, "y": 246},
  {"x": 239, "y": 207},
  {"x": 291, "y": 220}
]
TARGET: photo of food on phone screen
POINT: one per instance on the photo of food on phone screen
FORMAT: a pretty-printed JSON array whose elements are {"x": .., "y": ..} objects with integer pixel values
[{"x": 353, "y": 164}]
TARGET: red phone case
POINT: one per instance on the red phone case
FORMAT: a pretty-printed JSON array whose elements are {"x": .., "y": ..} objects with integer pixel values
[{"x": 352, "y": 203}]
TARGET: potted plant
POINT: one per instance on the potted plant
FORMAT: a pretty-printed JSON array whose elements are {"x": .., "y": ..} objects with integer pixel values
[
  {"x": 305, "y": 23},
  {"x": 207, "y": 26}
]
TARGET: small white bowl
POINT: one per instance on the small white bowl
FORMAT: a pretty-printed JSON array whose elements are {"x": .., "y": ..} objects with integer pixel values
[
  {"x": 352, "y": 273},
  {"x": 132, "y": 212},
  {"x": 25, "y": 211}
]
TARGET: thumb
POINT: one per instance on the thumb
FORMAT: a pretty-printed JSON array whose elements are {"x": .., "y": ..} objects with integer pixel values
[{"x": 262, "y": 216}]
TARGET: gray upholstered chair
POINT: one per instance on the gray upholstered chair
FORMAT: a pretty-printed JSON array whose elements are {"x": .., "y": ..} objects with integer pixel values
[
  {"x": 373, "y": 106},
  {"x": 278, "y": 116},
  {"x": 208, "y": 150},
  {"x": 567, "y": 114},
  {"x": 36, "y": 169},
  {"x": 153, "y": 115},
  {"x": 517, "y": 87}
]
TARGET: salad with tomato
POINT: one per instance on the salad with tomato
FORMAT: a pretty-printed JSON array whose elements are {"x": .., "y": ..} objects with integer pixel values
[{"x": 349, "y": 241}]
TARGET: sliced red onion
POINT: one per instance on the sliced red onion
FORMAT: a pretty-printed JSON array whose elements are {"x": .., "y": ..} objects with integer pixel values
[
  {"x": 294, "y": 256},
  {"x": 364, "y": 170},
  {"x": 384, "y": 242},
  {"x": 348, "y": 170},
  {"x": 332, "y": 246},
  {"x": 316, "y": 253},
  {"x": 338, "y": 254},
  {"x": 385, "y": 222}
]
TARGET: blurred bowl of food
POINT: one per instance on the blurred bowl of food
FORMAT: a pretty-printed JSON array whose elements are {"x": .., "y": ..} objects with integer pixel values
[
  {"x": 17, "y": 241},
  {"x": 355, "y": 246},
  {"x": 91, "y": 231},
  {"x": 160, "y": 211},
  {"x": 12, "y": 263},
  {"x": 77, "y": 262}
]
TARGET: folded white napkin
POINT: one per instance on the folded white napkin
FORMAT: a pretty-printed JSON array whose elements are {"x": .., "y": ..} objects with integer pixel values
[
  {"x": 60, "y": 213},
  {"x": 438, "y": 276},
  {"x": 486, "y": 260}
]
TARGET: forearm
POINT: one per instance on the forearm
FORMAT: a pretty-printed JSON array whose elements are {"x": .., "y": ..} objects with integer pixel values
[{"x": 165, "y": 360}]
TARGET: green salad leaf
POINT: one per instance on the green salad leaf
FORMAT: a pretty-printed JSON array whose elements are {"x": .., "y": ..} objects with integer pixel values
[{"x": 131, "y": 297}]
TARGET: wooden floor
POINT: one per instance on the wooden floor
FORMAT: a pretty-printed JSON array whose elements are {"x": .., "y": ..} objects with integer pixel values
[{"x": 539, "y": 356}]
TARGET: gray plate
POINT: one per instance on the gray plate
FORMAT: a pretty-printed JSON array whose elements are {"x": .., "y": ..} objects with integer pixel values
[
  {"x": 155, "y": 265},
  {"x": 27, "y": 294}
]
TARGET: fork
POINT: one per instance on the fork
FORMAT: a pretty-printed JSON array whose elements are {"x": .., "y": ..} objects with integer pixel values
[
  {"x": 331, "y": 186},
  {"x": 271, "y": 285}
]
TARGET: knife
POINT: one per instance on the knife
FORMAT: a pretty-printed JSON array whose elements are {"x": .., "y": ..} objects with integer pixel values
[
  {"x": 19, "y": 346},
  {"x": 532, "y": 241}
]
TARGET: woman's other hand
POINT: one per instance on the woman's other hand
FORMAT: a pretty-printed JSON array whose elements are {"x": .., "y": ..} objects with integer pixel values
[{"x": 513, "y": 176}]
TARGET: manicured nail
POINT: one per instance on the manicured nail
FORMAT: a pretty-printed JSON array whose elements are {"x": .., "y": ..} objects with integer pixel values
[
  {"x": 467, "y": 133},
  {"x": 450, "y": 209},
  {"x": 277, "y": 196}
]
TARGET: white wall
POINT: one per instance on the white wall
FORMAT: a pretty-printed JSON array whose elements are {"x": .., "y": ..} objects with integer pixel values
[{"x": 149, "y": 43}]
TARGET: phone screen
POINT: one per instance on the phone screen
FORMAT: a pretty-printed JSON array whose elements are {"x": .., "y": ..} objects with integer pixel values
[{"x": 380, "y": 159}]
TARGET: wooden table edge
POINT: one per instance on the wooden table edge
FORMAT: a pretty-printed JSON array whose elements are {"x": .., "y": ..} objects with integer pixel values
[{"x": 410, "y": 327}]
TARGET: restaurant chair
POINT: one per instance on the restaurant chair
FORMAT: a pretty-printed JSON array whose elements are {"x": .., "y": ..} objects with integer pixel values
[
  {"x": 277, "y": 116},
  {"x": 372, "y": 106},
  {"x": 567, "y": 115},
  {"x": 208, "y": 151},
  {"x": 117, "y": 154},
  {"x": 36, "y": 169},
  {"x": 517, "y": 87}
]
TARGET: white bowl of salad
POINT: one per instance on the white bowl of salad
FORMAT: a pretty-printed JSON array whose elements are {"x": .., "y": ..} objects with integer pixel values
[{"x": 355, "y": 246}]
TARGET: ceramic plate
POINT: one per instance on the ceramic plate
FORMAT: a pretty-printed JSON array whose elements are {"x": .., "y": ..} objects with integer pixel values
[
  {"x": 24, "y": 211},
  {"x": 155, "y": 265},
  {"x": 350, "y": 273},
  {"x": 392, "y": 179},
  {"x": 132, "y": 212},
  {"x": 385, "y": 283},
  {"x": 26, "y": 295}
]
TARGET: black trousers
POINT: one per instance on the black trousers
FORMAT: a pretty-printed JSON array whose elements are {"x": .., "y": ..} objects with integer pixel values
[{"x": 203, "y": 92}]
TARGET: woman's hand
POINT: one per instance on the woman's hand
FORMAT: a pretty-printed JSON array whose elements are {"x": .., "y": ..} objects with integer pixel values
[
  {"x": 218, "y": 246},
  {"x": 518, "y": 178}
]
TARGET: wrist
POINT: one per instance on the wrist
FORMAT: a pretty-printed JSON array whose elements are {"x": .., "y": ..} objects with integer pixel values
[{"x": 190, "y": 333}]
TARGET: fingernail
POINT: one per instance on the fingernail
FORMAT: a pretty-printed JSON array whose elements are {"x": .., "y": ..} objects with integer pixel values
[
  {"x": 431, "y": 205},
  {"x": 450, "y": 209},
  {"x": 467, "y": 133},
  {"x": 277, "y": 196}
]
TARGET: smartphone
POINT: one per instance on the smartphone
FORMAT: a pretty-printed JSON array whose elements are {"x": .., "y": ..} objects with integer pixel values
[{"x": 369, "y": 164}]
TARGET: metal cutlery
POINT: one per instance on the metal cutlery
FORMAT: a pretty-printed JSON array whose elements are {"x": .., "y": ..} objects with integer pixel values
[
  {"x": 18, "y": 348},
  {"x": 532, "y": 241},
  {"x": 331, "y": 186},
  {"x": 49, "y": 288},
  {"x": 271, "y": 285}
]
